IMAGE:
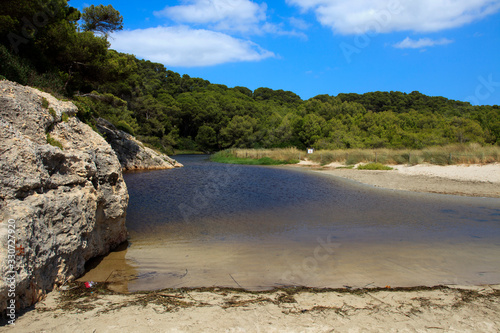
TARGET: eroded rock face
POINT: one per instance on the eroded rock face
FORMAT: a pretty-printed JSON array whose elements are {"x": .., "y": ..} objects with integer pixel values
[
  {"x": 133, "y": 155},
  {"x": 66, "y": 205}
]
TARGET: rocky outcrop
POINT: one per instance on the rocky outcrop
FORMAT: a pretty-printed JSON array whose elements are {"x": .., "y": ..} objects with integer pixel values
[
  {"x": 60, "y": 203},
  {"x": 133, "y": 155}
]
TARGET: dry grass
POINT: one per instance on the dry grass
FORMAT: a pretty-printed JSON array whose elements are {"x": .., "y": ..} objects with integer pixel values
[
  {"x": 281, "y": 154},
  {"x": 451, "y": 154}
]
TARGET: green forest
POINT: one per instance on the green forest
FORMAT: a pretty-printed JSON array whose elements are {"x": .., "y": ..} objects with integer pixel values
[{"x": 52, "y": 46}]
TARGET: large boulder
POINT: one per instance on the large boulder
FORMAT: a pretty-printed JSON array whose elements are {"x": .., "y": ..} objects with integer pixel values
[
  {"x": 61, "y": 204},
  {"x": 133, "y": 155}
]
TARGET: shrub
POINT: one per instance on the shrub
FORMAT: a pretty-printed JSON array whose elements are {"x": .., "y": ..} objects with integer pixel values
[
  {"x": 17, "y": 69},
  {"x": 45, "y": 103},
  {"x": 13, "y": 67},
  {"x": 53, "y": 142},
  {"x": 346, "y": 167},
  {"x": 451, "y": 154},
  {"x": 327, "y": 156},
  {"x": 53, "y": 113},
  {"x": 122, "y": 125},
  {"x": 187, "y": 144},
  {"x": 86, "y": 112},
  {"x": 374, "y": 166},
  {"x": 359, "y": 156}
]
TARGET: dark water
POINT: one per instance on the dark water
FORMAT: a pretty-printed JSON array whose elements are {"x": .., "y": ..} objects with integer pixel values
[
  {"x": 258, "y": 227},
  {"x": 215, "y": 201}
]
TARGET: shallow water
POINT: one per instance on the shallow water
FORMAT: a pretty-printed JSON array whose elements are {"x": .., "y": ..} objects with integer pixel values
[{"x": 211, "y": 224}]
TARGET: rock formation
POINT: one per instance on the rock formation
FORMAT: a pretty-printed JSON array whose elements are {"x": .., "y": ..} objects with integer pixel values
[
  {"x": 133, "y": 155},
  {"x": 62, "y": 203}
]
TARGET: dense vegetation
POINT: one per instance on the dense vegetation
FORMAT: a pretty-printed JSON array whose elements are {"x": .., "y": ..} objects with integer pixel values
[
  {"x": 229, "y": 156},
  {"x": 469, "y": 153},
  {"x": 53, "y": 46}
]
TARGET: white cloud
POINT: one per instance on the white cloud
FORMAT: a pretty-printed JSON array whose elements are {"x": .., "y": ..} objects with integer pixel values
[
  {"x": 228, "y": 15},
  {"x": 409, "y": 43},
  {"x": 277, "y": 29},
  {"x": 299, "y": 23},
  {"x": 383, "y": 16},
  {"x": 186, "y": 47}
]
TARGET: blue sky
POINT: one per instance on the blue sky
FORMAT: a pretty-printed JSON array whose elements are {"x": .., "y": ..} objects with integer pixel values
[{"x": 311, "y": 47}]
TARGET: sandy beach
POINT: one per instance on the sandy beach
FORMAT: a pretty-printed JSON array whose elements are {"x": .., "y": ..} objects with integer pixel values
[
  {"x": 438, "y": 309},
  {"x": 450, "y": 308},
  {"x": 467, "y": 180}
]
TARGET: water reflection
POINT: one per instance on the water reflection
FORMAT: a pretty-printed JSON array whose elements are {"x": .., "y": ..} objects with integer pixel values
[{"x": 212, "y": 224}]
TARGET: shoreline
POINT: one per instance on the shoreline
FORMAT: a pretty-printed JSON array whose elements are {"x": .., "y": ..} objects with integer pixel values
[
  {"x": 283, "y": 310},
  {"x": 441, "y": 308},
  {"x": 463, "y": 180}
]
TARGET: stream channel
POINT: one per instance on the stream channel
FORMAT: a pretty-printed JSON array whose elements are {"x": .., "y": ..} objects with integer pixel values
[{"x": 255, "y": 227}]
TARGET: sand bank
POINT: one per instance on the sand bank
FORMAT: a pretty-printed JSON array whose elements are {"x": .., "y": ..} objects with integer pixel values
[
  {"x": 467, "y": 180},
  {"x": 440, "y": 309}
]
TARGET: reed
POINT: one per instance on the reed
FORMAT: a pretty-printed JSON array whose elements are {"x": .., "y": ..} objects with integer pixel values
[
  {"x": 255, "y": 157},
  {"x": 445, "y": 155},
  {"x": 440, "y": 155},
  {"x": 282, "y": 154}
]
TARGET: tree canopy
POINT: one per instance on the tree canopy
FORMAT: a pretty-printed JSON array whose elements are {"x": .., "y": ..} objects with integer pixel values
[
  {"x": 103, "y": 19},
  {"x": 42, "y": 45}
]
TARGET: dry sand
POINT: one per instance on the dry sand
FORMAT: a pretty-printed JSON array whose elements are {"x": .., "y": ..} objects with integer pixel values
[
  {"x": 467, "y": 180},
  {"x": 440, "y": 309}
]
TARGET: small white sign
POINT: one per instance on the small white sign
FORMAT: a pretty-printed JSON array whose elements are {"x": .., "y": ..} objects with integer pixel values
[{"x": 310, "y": 151}]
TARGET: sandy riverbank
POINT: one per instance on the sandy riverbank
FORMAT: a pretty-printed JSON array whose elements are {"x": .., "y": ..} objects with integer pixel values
[
  {"x": 467, "y": 180},
  {"x": 438, "y": 309}
]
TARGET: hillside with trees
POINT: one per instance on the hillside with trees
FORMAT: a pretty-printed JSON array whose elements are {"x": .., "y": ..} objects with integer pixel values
[{"x": 52, "y": 46}]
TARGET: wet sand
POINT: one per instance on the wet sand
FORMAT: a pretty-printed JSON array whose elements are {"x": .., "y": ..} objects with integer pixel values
[{"x": 326, "y": 264}]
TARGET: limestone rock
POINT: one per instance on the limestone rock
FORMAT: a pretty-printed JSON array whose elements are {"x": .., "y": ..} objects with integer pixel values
[
  {"x": 133, "y": 155},
  {"x": 66, "y": 205}
]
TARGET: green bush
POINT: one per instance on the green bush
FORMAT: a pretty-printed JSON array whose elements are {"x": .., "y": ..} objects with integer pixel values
[
  {"x": 53, "y": 113},
  {"x": 20, "y": 70},
  {"x": 122, "y": 125},
  {"x": 86, "y": 112},
  {"x": 374, "y": 166},
  {"x": 53, "y": 142},
  {"x": 45, "y": 103},
  {"x": 65, "y": 117},
  {"x": 13, "y": 67},
  {"x": 187, "y": 144}
]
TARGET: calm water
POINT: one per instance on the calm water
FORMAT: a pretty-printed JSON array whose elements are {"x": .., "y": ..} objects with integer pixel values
[{"x": 210, "y": 224}]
